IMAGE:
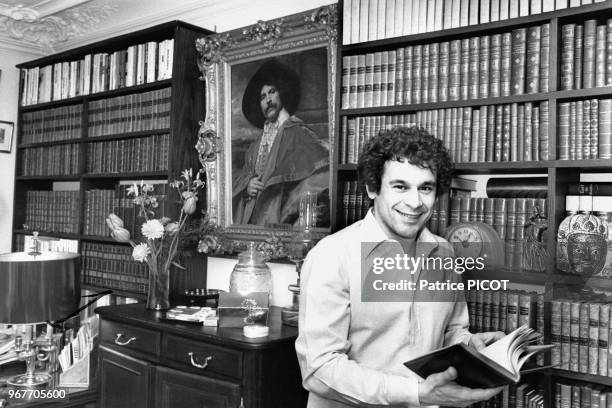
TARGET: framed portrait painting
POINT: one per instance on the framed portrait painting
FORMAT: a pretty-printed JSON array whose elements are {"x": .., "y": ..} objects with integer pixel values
[
  {"x": 6, "y": 136},
  {"x": 267, "y": 141}
]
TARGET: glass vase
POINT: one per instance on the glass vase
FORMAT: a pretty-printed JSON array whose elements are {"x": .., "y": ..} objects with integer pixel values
[{"x": 158, "y": 296}]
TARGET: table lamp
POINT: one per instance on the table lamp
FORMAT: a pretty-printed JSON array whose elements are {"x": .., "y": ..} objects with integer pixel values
[{"x": 36, "y": 288}]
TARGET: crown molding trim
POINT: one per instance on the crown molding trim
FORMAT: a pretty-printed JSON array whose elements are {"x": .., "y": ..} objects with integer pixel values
[
  {"x": 144, "y": 22},
  {"x": 22, "y": 46}
]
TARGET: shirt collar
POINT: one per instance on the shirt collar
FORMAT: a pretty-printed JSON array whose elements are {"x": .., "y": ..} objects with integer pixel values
[{"x": 371, "y": 231}]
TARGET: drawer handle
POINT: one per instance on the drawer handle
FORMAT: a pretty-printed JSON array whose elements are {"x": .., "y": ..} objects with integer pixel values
[
  {"x": 123, "y": 343},
  {"x": 195, "y": 363}
]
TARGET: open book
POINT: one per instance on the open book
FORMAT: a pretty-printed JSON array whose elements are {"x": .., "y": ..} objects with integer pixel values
[{"x": 497, "y": 364}]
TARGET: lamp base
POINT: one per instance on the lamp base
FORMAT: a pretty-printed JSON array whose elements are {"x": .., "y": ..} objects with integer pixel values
[{"x": 29, "y": 380}]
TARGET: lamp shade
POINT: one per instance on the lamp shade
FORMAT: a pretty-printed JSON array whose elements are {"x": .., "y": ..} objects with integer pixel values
[{"x": 37, "y": 288}]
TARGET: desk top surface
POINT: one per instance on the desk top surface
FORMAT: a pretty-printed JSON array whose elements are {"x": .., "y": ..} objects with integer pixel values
[{"x": 137, "y": 315}]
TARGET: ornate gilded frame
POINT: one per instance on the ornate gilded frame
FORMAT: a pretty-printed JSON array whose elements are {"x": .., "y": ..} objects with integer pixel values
[{"x": 216, "y": 54}]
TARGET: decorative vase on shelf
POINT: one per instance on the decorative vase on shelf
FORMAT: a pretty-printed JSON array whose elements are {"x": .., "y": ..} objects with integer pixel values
[
  {"x": 251, "y": 274},
  {"x": 158, "y": 294}
]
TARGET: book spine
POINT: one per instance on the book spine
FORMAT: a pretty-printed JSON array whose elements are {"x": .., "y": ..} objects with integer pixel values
[
  {"x": 593, "y": 338},
  {"x": 519, "y": 52},
  {"x": 603, "y": 341},
  {"x": 574, "y": 335}
]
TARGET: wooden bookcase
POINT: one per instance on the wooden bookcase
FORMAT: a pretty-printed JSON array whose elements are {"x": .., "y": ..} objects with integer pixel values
[
  {"x": 560, "y": 173},
  {"x": 132, "y": 115}
]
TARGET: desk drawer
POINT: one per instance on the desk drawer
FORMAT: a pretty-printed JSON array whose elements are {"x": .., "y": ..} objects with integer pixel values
[
  {"x": 130, "y": 337},
  {"x": 192, "y": 353}
]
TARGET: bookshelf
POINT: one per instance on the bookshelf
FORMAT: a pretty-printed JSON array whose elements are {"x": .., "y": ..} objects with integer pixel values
[
  {"x": 554, "y": 92},
  {"x": 94, "y": 118}
]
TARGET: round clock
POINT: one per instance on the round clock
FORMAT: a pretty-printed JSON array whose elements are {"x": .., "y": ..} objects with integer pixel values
[{"x": 476, "y": 239}]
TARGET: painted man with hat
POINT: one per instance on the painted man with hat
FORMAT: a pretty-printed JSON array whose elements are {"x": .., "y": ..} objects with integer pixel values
[{"x": 287, "y": 160}]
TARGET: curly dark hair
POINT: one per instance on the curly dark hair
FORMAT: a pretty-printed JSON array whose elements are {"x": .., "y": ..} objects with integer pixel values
[{"x": 414, "y": 144}]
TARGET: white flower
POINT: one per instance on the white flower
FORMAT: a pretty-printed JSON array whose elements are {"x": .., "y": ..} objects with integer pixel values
[
  {"x": 120, "y": 235},
  {"x": 153, "y": 229},
  {"x": 172, "y": 228},
  {"x": 147, "y": 188},
  {"x": 113, "y": 221},
  {"x": 132, "y": 190},
  {"x": 141, "y": 252}
]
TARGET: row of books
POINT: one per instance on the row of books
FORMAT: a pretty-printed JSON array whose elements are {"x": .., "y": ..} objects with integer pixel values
[
  {"x": 26, "y": 243},
  {"x": 524, "y": 395},
  {"x": 573, "y": 394},
  {"x": 112, "y": 266},
  {"x": 129, "y": 113},
  {"x": 512, "y": 63},
  {"x": 369, "y": 20},
  {"x": 52, "y": 211},
  {"x": 586, "y": 55},
  {"x": 510, "y": 218},
  {"x": 505, "y": 310},
  {"x": 136, "y": 65},
  {"x": 149, "y": 153},
  {"x": 355, "y": 203},
  {"x": 585, "y": 129},
  {"x": 493, "y": 133},
  {"x": 51, "y": 125},
  {"x": 580, "y": 328},
  {"x": 62, "y": 160},
  {"x": 99, "y": 203}
]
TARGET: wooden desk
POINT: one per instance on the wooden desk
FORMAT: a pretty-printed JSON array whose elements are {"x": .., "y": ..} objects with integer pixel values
[{"x": 146, "y": 362}]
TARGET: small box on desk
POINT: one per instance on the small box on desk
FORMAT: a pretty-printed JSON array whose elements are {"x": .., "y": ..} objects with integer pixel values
[{"x": 236, "y": 310}]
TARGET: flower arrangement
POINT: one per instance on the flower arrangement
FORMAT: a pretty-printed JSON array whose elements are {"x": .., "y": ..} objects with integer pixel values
[{"x": 162, "y": 234}]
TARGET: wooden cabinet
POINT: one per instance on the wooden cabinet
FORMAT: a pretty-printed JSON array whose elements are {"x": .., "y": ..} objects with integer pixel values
[
  {"x": 174, "y": 388},
  {"x": 148, "y": 362},
  {"x": 125, "y": 381}
]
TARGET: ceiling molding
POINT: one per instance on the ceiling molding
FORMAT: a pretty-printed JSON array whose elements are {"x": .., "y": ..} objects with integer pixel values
[
  {"x": 19, "y": 45},
  {"x": 50, "y": 31},
  {"x": 136, "y": 24}
]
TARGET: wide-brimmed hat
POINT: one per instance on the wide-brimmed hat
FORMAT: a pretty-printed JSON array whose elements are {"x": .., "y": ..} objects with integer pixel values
[{"x": 271, "y": 72}]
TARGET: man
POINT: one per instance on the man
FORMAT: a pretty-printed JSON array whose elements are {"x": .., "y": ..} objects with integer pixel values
[
  {"x": 351, "y": 352},
  {"x": 286, "y": 161}
]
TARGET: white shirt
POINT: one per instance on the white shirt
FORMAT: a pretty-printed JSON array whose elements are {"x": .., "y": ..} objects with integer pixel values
[{"x": 352, "y": 352}]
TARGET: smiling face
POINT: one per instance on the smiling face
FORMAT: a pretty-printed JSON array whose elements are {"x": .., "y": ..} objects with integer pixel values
[
  {"x": 270, "y": 102},
  {"x": 405, "y": 200}
]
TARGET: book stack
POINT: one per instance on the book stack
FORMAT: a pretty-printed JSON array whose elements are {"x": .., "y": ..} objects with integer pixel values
[
  {"x": 580, "y": 327},
  {"x": 489, "y": 66},
  {"x": 505, "y": 310},
  {"x": 492, "y": 133},
  {"x": 112, "y": 266},
  {"x": 575, "y": 394},
  {"x": 129, "y": 113},
  {"x": 26, "y": 243},
  {"x": 136, "y": 65},
  {"x": 586, "y": 55},
  {"x": 585, "y": 129},
  {"x": 99, "y": 203},
  {"x": 62, "y": 160},
  {"x": 51, "y": 125},
  {"x": 52, "y": 211},
  {"x": 369, "y": 20},
  {"x": 142, "y": 154}
]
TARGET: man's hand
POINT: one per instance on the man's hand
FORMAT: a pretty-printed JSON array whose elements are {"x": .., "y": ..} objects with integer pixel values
[
  {"x": 254, "y": 187},
  {"x": 481, "y": 340},
  {"x": 441, "y": 389}
]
